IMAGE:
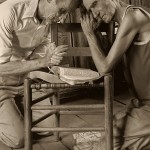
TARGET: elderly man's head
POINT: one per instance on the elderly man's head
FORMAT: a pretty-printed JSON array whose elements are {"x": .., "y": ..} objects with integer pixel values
[
  {"x": 56, "y": 10},
  {"x": 101, "y": 9}
]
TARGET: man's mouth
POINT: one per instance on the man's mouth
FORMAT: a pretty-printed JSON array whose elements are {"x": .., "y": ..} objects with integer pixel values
[{"x": 56, "y": 19}]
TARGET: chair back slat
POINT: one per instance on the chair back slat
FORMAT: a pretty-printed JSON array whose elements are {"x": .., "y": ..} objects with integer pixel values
[
  {"x": 79, "y": 51},
  {"x": 76, "y": 27}
]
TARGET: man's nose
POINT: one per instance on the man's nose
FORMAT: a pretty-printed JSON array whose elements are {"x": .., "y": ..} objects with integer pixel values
[
  {"x": 63, "y": 18},
  {"x": 95, "y": 13}
]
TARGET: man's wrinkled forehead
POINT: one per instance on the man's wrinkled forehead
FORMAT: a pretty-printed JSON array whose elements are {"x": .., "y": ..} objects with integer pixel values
[{"x": 88, "y": 3}]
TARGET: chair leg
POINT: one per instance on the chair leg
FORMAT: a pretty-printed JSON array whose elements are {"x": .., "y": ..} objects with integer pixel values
[
  {"x": 56, "y": 101},
  {"x": 27, "y": 114},
  {"x": 108, "y": 112}
]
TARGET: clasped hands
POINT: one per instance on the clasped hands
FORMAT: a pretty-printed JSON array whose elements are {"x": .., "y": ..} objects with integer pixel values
[{"x": 55, "y": 56}]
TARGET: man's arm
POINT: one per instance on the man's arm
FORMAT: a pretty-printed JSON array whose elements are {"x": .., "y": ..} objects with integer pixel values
[
  {"x": 22, "y": 67},
  {"x": 127, "y": 31},
  {"x": 7, "y": 67}
]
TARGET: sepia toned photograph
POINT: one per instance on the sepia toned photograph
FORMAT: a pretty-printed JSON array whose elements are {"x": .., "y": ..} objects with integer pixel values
[{"x": 74, "y": 74}]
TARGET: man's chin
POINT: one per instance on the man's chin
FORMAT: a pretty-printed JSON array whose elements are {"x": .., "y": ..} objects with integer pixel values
[
  {"x": 52, "y": 20},
  {"x": 108, "y": 19}
]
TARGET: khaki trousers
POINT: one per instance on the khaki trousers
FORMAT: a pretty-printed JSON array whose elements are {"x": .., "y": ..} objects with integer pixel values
[
  {"x": 132, "y": 128},
  {"x": 11, "y": 119}
]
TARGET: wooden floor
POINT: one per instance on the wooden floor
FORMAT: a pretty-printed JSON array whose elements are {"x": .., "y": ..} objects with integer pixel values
[{"x": 67, "y": 141}]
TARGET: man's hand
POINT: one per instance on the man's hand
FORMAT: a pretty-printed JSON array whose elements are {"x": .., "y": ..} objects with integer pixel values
[
  {"x": 56, "y": 56},
  {"x": 88, "y": 23}
]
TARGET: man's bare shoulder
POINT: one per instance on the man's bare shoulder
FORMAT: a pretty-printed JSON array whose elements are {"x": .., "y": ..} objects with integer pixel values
[{"x": 136, "y": 18}]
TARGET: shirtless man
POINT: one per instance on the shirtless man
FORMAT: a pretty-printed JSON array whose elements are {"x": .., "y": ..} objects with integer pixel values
[{"x": 132, "y": 42}]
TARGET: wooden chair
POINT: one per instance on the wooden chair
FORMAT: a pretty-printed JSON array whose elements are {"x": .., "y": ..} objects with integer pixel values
[{"x": 57, "y": 109}]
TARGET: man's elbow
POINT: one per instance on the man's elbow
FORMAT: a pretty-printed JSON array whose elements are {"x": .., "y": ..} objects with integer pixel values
[{"x": 105, "y": 69}]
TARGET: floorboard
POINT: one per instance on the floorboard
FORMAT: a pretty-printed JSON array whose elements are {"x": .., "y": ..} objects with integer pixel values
[
  {"x": 52, "y": 146},
  {"x": 67, "y": 142}
]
